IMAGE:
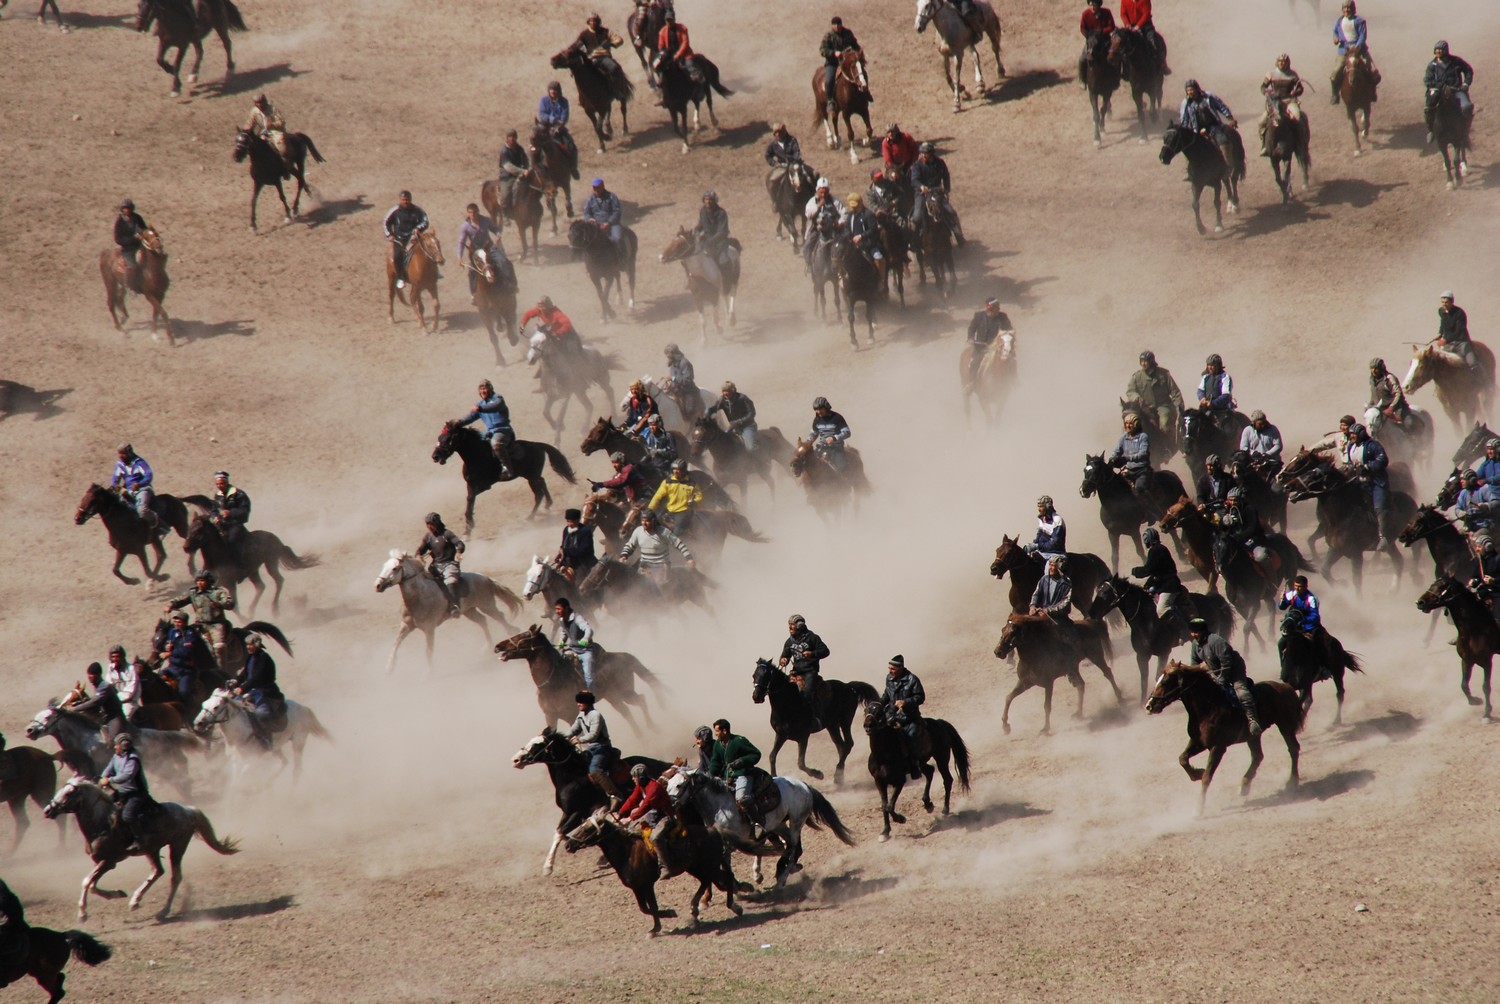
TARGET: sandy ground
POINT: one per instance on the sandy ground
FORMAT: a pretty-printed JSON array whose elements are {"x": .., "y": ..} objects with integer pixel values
[{"x": 406, "y": 865}]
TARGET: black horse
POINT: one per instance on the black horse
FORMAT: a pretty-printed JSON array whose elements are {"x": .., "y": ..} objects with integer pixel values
[
  {"x": 1450, "y": 131},
  {"x": 858, "y": 279},
  {"x": 482, "y": 468},
  {"x": 644, "y": 27},
  {"x": 1288, "y": 139},
  {"x": 939, "y": 742},
  {"x": 1471, "y": 450},
  {"x": 1101, "y": 78},
  {"x": 1151, "y": 635},
  {"x": 934, "y": 246},
  {"x": 1141, "y": 64},
  {"x": 1202, "y": 434},
  {"x": 789, "y": 189},
  {"x": 1120, "y": 510},
  {"x": 46, "y": 954},
  {"x": 820, "y": 267},
  {"x": 597, "y": 92},
  {"x": 180, "y": 24},
  {"x": 268, "y": 168},
  {"x": 733, "y": 464},
  {"x": 1304, "y": 661},
  {"x": 592, "y": 244},
  {"x": 791, "y": 719},
  {"x": 1206, "y": 167},
  {"x": 1257, "y": 481},
  {"x": 678, "y": 89}
]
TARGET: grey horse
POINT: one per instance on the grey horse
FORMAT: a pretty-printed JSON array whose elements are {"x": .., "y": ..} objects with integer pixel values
[{"x": 424, "y": 607}]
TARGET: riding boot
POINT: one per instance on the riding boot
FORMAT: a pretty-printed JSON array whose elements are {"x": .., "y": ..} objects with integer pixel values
[
  {"x": 453, "y": 608},
  {"x": 262, "y": 734},
  {"x": 833, "y": 107},
  {"x": 1247, "y": 701},
  {"x": 607, "y": 785},
  {"x": 749, "y": 817},
  {"x": 1333, "y": 87}
]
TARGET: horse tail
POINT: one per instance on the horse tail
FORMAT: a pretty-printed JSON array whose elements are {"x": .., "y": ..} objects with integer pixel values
[
  {"x": 611, "y": 361},
  {"x": 724, "y": 92},
  {"x": 824, "y": 812},
  {"x": 559, "y": 462},
  {"x": 86, "y": 948},
  {"x": 507, "y": 596},
  {"x": 205, "y": 829},
  {"x": 1101, "y": 629},
  {"x": 863, "y": 691},
  {"x": 270, "y": 631},
  {"x": 736, "y": 524},
  {"x": 77, "y": 761},
  {"x": 656, "y": 682},
  {"x": 233, "y": 17},
  {"x": 315, "y": 727},
  {"x": 199, "y": 501},
  {"x": 311, "y": 148},
  {"x": 296, "y": 561},
  {"x": 958, "y": 747},
  {"x": 1351, "y": 662}
]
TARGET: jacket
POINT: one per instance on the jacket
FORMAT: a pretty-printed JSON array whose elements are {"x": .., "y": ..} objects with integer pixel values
[
  {"x": 783, "y": 152},
  {"x": 834, "y": 43},
  {"x": 805, "y": 650},
  {"x": 738, "y": 410},
  {"x": 513, "y": 159},
  {"x": 495, "y": 413},
  {"x": 673, "y": 42},
  {"x": 444, "y": 546},
  {"x": 1213, "y": 489},
  {"x": 984, "y": 329},
  {"x": 552, "y": 111},
  {"x": 1134, "y": 451},
  {"x": 106, "y": 701},
  {"x": 712, "y": 230},
  {"x": 904, "y": 686},
  {"x": 931, "y": 174},
  {"x": 1370, "y": 458},
  {"x": 125, "y": 777},
  {"x": 1159, "y": 570},
  {"x": 556, "y": 321},
  {"x": 208, "y": 604},
  {"x": 655, "y": 548},
  {"x": 732, "y": 757},
  {"x": 603, "y": 209},
  {"x": 1208, "y": 112},
  {"x": 649, "y": 797},
  {"x": 573, "y": 632},
  {"x": 1361, "y": 34},
  {"x": 133, "y": 476},
  {"x": 1154, "y": 388},
  {"x": 1451, "y": 72},
  {"x": 898, "y": 152},
  {"x": 1386, "y": 393},
  {"x": 638, "y": 408},
  {"x": 402, "y": 223},
  {"x": 1053, "y": 596},
  {"x": 1488, "y": 471},
  {"x": 630, "y": 481},
  {"x": 1103, "y": 22},
  {"x": 577, "y": 546},
  {"x": 1261, "y": 442},
  {"x": 1306, "y": 606},
  {"x": 679, "y": 496},
  {"x": 1478, "y": 505},
  {"x": 181, "y": 649},
  {"x": 1224, "y": 664},
  {"x": 1241, "y": 523},
  {"x": 1135, "y": 13},
  {"x": 590, "y": 728},
  {"x": 1217, "y": 389},
  {"x": 258, "y": 675},
  {"x": 1051, "y": 535},
  {"x": 261, "y": 122},
  {"x": 236, "y": 502},
  {"x": 834, "y": 427},
  {"x": 661, "y": 448},
  {"x": 1453, "y": 325},
  {"x": 128, "y": 230}
]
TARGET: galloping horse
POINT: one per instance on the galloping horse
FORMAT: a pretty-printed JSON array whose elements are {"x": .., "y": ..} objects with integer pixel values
[
  {"x": 850, "y": 97},
  {"x": 790, "y": 188},
  {"x": 678, "y": 89},
  {"x": 558, "y": 677},
  {"x": 954, "y": 35},
  {"x": 1346, "y": 518},
  {"x": 1357, "y": 92},
  {"x": 1288, "y": 138},
  {"x": 179, "y": 26},
  {"x": 424, "y": 254},
  {"x": 597, "y": 93},
  {"x": 424, "y": 608},
  {"x": 707, "y": 279},
  {"x": 603, "y": 263},
  {"x": 233, "y": 718},
  {"x": 481, "y": 468},
  {"x": 828, "y": 488},
  {"x": 615, "y": 585},
  {"x": 151, "y": 278},
  {"x": 565, "y": 375},
  {"x": 556, "y": 165},
  {"x": 1122, "y": 511},
  {"x": 1140, "y": 64},
  {"x": 1101, "y": 78},
  {"x": 48, "y": 951},
  {"x": 1450, "y": 131},
  {"x": 1302, "y": 664},
  {"x": 791, "y": 717},
  {"x": 34, "y": 776},
  {"x": 268, "y": 168},
  {"x": 1152, "y": 635},
  {"x": 1206, "y": 167},
  {"x": 991, "y": 382},
  {"x": 525, "y": 208},
  {"x": 644, "y": 27},
  {"x": 940, "y": 742},
  {"x": 1084, "y": 569},
  {"x": 935, "y": 246},
  {"x": 495, "y": 299},
  {"x": 128, "y": 533},
  {"x": 1478, "y": 633},
  {"x": 858, "y": 281},
  {"x": 733, "y": 464},
  {"x": 1465, "y": 394},
  {"x": 261, "y": 549},
  {"x": 1042, "y": 656}
]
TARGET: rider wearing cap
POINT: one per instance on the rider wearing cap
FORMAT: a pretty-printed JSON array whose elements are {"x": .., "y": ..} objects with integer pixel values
[
  {"x": 823, "y": 211},
  {"x": 1096, "y": 24},
  {"x": 829, "y": 433},
  {"x": 1488, "y": 469},
  {"x": 898, "y": 151},
  {"x": 802, "y": 655},
  {"x": 1158, "y": 570},
  {"x": 628, "y": 479},
  {"x": 648, "y": 804},
  {"x": 590, "y": 733},
  {"x": 266, "y": 122},
  {"x": 1262, "y": 441},
  {"x": 986, "y": 326},
  {"x": 596, "y": 41},
  {"x": 133, "y": 477},
  {"x": 835, "y": 42},
  {"x": 556, "y": 323},
  {"x": 660, "y": 444},
  {"x": 712, "y": 230},
  {"x": 256, "y": 682},
  {"x": 231, "y": 511},
  {"x": 105, "y": 704},
  {"x": 209, "y": 602},
  {"x": 552, "y": 114},
  {"x": 405, "y": 220},
  {"x": 125, "y": 781},
  {"x": 1387, "y": 399},
  {"x": 903, "y": 699},
  {"x": 129, "y": 227},
  {"x": 673, "y": 46},
  {"x": 1447, "y": 70},
  {"x": 1453, "y": 331},
  {"x": 1239, "y": 523},
  {"x": 575, "y": 554},
  {"x": 603, "y": 210},
  {"x": 1213, "y": 653},
  {"x": 1206, "y": 113},
  {"x": 864, "y": 233},
  {"x": 930, "y": 174},
  {"x": 1152, "y": 388},
  {"x": 179, "y": 656},
  {"x": 655, "y": 544},
  {"x": 514, "y": 162},
  {"x": 738, "y": 411},
  {"x": 495, "y": 413},
  {"x": 680, "y": 496},
  {"x": 447, "y": 550},
  {"x": 783, "y": 150},
  {"x": 1051, "y": 538}
]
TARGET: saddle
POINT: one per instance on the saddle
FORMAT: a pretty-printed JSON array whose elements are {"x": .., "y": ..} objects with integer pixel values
[{"x": 765, "y": 795}]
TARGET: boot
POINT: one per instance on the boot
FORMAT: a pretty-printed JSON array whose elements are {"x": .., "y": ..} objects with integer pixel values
[
  {"x": 832, "y": 107},
  {"x": 750, "y": 820},
  {"x": 1247, "y": 701},
  {"x": 607, "y": 785},
  {"x": 262, "y": 734},
  {"x": 453, "y": 608}
]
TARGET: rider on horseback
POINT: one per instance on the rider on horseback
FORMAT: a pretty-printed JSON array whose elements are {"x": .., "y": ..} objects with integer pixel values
[
  {"x": 552, "y": 114},
  {"x": 1133, "y": 453},
  {"x": 835, "y": 42},
  {"x": 256, "y": 682},
  {"x": 1240, "y": 524},
  {"x": 1350, "y": 35},
  {"x": 804, "y": 651},
  {"x": 639, "y": 407},
  {"x": 209, "y": 601},
  {"x": 603, "y": 210},
  {"x": 125, "y": 782},
  {"x": 903, "y": 703},
  {"x": 1387, "y": 399},
  {"x": 495, "y": 413},
  {"x": 1368, "y": 459},
  {"x": 266, "y": 122},
  {"x": 680, "y": 383},
  {"x": 1136, "y": 14},
  {"x": 179, "y": 655},
  {"x": 883, "y": 197},
  {"x": 823, "y": 212},
  {"x": 1214, "y": 486},
  {"x": 597, "y": 41},
  {"x": 680, "y": 496},
  {"x": 783, "y": 150},
  {"x": 628, "y": 479},
  {"x": 1300, "y": 603},
  {"x": 1095, "y": 25},
  {"x": 1205, "y": 113},
  {"x": 739, "y": 412},
  {"x": 1447, "y": 70},
  {"x": 731, "y": 758},
  {"x": 660, "y": 444},
  {"x": 481, "y": 235},
  {"x": 125, "y": 677},
  {"x": 1152, "y": 387},
  {"x": 1453, "y": 331},
  {"x": 574, "y": 637},
  {"x": 1476, "y": 507},
  {"x": 555, "y": 323},
  {"x": 1051, "y": 538},
  {"x": 648, "y": 806},
  {"x": 930, "y": 174},
  {"x": 829, "y": 433},
  {"x": 133, "y": 477},
  {"x": 1216, "y": 391},
  {"x": 513, "y": 163},
  {"x": 405, "y": 220},
  {"x": 984, "y": 328},
  {"x": 1282, "y": 87},
  {"x": 864, "y": 234},
  {"x": 654, "y": 542},
  {"x": 673, "y": 46},
  {"x": 128, "y": 230},
  {"x": 230, "y": 509},
  {"x": 1488, "y": 469},
  {"x": 1226, "y": 666},
  {"x": 447, "y": 549},
  {"x": 1159, "y": 572},
  {"x": 1262, "y": 441},
  {"x": 712, "y": 230},
  {"x": 105, "y": 703},
  {"x": 575, "y": 554},
  {"x": 590, "y": 734},
  {"x": 898, "y": 151}
]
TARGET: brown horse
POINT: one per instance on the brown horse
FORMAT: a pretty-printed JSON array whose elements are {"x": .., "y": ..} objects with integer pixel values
[
  {"x": 1140, "y": 64},
  {"x": 260, "y": 549},
  {"x": 495, "y": 299},
  {"x": 128, "y": 533},
  {"x": 1478, "y": 632},
  {"x": 992, "y": 380},
  {"x": 1465, "y": 394},
  {"x": 828, "y": 488},
  {"x": 1357, "y": 92},
  {"x": 708, "y": 280},
  {"x": 1101, "y": 78},
  {"x": 1085, "y": 570},
  {"x": 597, "y": 93},
  {"x": 525, "y": 207},
  {"x": 1215, "y": 724},
  {"x": 558, "y": 677},
  {"x": 1042, "y": 656},
  {"x": 33, "y": 775},
  {"x": 733, "y": 463},
  {"x": 955, "y": 34},
  {"x": 851, "y": 96},
  {"x": 556, "y": 165},
  {"x": 49, "y": 951},
  {"x": 424, "y": 254},
  {"x": 151, "y": 282},
  {"x": 644, "y": 28},
  {"x": 179, "y": 25}
]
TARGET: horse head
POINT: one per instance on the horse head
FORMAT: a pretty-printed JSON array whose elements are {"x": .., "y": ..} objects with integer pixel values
[
  {"x": 521, "y": 646},
  {"x": 1108, "y": 596},
  {"x": 588, "y": 832},
  {"x": 679, "y": 247},
  {"x": 394, "y": 571},
  {"x": 765, "y": 673},
  {"x": 925, "y": 10},
  {"x": 447, "y": 442},
  {"x": 42, "y": 725},
  {"x": 1174, "y": 141},
  {"x": 599, "y": 436},
  {"x": 67, "y": 797},
  {"x": 561, "y": 60},
  {"x": 852, "y": 68},
  {"x": 214, "y": 711},
  {"x": 582, "y": 235},
  {"x": 1007, "y": 556},
  {"x": 535, "y": 749},
  {"x": 1426, "y": 520},
  {"x": 1448, "y": 494},
  {"x": 428, "y": 241},
  {"x": 1443, "y": 592},
  {"x": 145, "y": 13},
  {"x": 242, "y": 145},
  {"x": 800, "y": 455},
  {"x": 151, "y": 241},
  {"x": 1010, "y": 636},
  {"x": 705, "y": 431},
  {"x": 1170, "y": 684},
  {"x": 536, "y": 576},
  {"x": 1095, "y": 473},
  {"x": 92, "y": 504},
  {"x": 874, "y": 716}
]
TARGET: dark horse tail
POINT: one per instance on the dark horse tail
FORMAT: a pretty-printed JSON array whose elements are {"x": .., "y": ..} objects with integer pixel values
[
  {"x": 86, "y": 948},
  {"x": 205, "y": 829},
  {"x": 1351, "y": 661},
  {"x": 824, "y": 812},
  {"x": 232, "y": 16},
  {"x": 310, "y": 146},
  {"x": 956, "y": 745},
  {"x": 737, "y": 525},
  {"x": 296, "y": 561},
  {"x": 270, "y": 631},
  {"x": 559, "y": 462}
]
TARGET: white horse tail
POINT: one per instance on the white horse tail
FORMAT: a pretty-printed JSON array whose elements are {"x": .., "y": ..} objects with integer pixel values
[
  {"x": 823, "y": 812},
  {"x": 315, "y": 727}
]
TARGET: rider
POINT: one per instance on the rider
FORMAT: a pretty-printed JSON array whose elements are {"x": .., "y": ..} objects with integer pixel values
[
  {"x": 680, "y": 496},
  {"x": 590, "y": 734},
  {"x": 641, "y": 9},
  {"x": 267, "y": 123},
  {"x": 105, "y": 703},
  {"x": 1240, "y": 523},
  {"x": 638, "y": 408},
  {"x": 648, "y": 803},
  {"x": 405, "y": 220},
  {"x": 883, "y": 197},
  {"x": 673, "y": 46},
  {"x": 231, "y": 511},
  {"x": 125, "y": 782},
  {"x": 1262, "y": 441},
  {"x": 731, "y": 758},
  {"x": 1152, "y": 387},
  {"x": 128, "y": 229},
  {"x": 628, "y": 479},
  {"x": 1051, "y": 538},
  {"x": 805, "y": 652},
  {"x": 1447, "y": 70},
  {"x": 834, "y": 43},
  {"x": 1095, "y": 25},
  {"x": 1216, "y": 391},
  {"x": 930, "y": 174},
  {"x": 209, "y": 601},
  {"x": 124, "y": 676},
  {"x": 1214, "y": 485},
  {"x": 552, "y": 114},
  {"x": 864, "y": 233},
  {"x": 133, "y": 476},
  {"x": 1137, "y": 14},
  {"x": 574, "y": 636},
  {"x": 597, "y": 41},
  {"x": 1206, "y": 113},
  {"x": 903, "y": 702},
  {"x": 256, "y": 682},
  {"x": 179, "y": 654},
  {"x": 986, "y": 326},
  {"x": 823, "y": 210},
  {"x": 1368, "y": 458},
  {"x": 556, "y": 324},
  {"x": 1133, "y": 453},
  {"x": 482, "y": 237},
  {"x": 1301, "y": 602},
  {"x": 654, "y": 542},
  {"x": 1387, "y": 399},
  {"x": 447, "y": 549},
  {"x": 712, "y": 230},
  {"x": 1226, "y": 666},
  {"x": 898, "y": 151},
  {"x": 660, "y": 444},
  {"x": 1332, "y": 445},
  {"x": 782, "y": 151},
  {"x": 1350, "y": 34},
  {"x": 495, "y": 413},
  {"x": 575, "y": 554},
  {"x": 1159, "y": 571},
  {"x": 1282, "y": 87},
  {"x": 1476, "y": 507},
  {"x": 1053, "y": 594},
  {"x": 739, "y": 412},
  {"x": 1453, "y": 331},
  {"x": 513, "y": 163},
  {"x": 1488, "y": 469},
  {"x": 603, "y": 210},
  {"x": 829, "y": 433}
]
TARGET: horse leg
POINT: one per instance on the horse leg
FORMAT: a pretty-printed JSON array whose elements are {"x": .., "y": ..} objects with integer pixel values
[
  {"x": 157, "y": 871},
  {"x": 406, "y": 628},
  {"x": 1214, "y": 756},
  {"x": 23, "y": 822},
  {"x": 1257, "y": 754},
  {"x": 254, "y": 198},
  {"x": 1219, "y": 208},
  {"x": 1098, "y": 117},
  {"x": 91, "y": 882},
  {"x": 1019, "y": 689},
  {"x": 197, "y": 61},
  {"x": 557, "y": 839},
  {"x": 811, "y": 772},
  {"x": 1488, "y": 709},
  {"x": 286, "y": 211},
  {"x": 1047, "y": 707}
]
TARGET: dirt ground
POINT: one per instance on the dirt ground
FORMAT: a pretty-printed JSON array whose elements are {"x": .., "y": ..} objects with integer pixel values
[{"x": 406, "y": 865}]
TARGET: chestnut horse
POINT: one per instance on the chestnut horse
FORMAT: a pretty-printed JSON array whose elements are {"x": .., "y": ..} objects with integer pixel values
[
  {"x": 1465, "y": 394},
  {"x": 423, "y": 256},
  {"x": 1357, "y": 92},
  {"x": 850, "y": 97},
  {"x": 151, "y": 282},
  {"x": 996, "y": 373}
]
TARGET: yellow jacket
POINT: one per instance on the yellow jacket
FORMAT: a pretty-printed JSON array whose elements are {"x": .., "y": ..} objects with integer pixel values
[{"x": 680, "y": 496}]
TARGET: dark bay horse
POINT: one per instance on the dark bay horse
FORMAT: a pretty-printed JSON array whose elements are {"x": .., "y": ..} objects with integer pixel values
[
  {"x": 179, "y": 25},
  {"x": 1101, "y": 78},
  {"x": 708, "y": 280},
  {"x": 261, "y": 549},
  {"x": 556, "y": 165},
  {"x": 1151, "y": 635},
  {"x": 644, "y": 27},
  {"x": 565, "y": 375},
  {"x": 1465, "y": 394},
  {"x": 525, "y": 208},
  {"x": 829, "y": 489},
  {"x": 679, "y": 89},
  {"x": 1085, "y": 571},
  {"x": 1357, "y": 92},
  {"x": 858, "y": 281},
  {"x": 1346, "y": 520},
  {"x": 850, "y": 97},
  {"x": 268, "y": 168},
  {"x": 820, "y": 267},
  {"x": 1478, "y": 632},
  {"x": 791, "y": 718},
  {"x": 1042, "y": 656},
  {"x": 625, "y": 591},
  {"x": 603, "y": 264},
  {"x": 1215, "y": 724},
  {"x": 33, "y": 776},
  {"x": 1302, "y": 664},
  {"x": 481, "y": 469},
  {"x": 151, "y": 282},
  {"x": 934, "y": 247},
  {"x": 1450, "y": 131},
  {"x": 733, "y": 464},
  {"x": 1450, "y": 550},
  {"x": 954, "y": 35},
  {"x": 1201, "y": 435},
  {"x": 131, "y": 535},
  {"x": 423, "y": 256},
  {"x": 939, "y": 742},
  {"x": 49, "y": 951},
  {"x": 1471, "y": 450},
  {"x": 1120, "y": 510},
  {"x": 558, "y": 678},
  {"x": 1206, "y": 168},
  {"x": 789, "y": 189},
  {"x": 1289, "y": 138},
  {"x": 1140, "y": 65},
  {"x": 495, "y": 300},
  {"x": 597, "y": 93}
]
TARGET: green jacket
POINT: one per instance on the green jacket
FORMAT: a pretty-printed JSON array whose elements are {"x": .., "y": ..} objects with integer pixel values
[
  {"x": 732, "y": 758},
  {"x": 1156, "y": 389},
  {"x": 208, "y": 604}
]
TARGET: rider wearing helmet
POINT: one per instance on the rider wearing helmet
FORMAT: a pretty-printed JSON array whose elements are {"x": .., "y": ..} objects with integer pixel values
[
  {"x": 1214, "y": 486},
  {"x": 133, "y": 477},
  {"x": 898, "y": 151},
  {"x": 1282, "y": 87},
  {"x": 267, "y": 123},
  {"x": 402, "y": 224},
  {"x": 681, "y": 382},
  {"x": 823, "y": 212},
  {"x": 1447, "y": 70},
  {"x": 231, "y": 511},
  {"x": 647, "y": 807},
  {"x": 209, "y": 601},
  {"x": 1226, "y": 666},
  {"x": 1239, "y": 523},
  {"x": 712, "y": 230},
  {"x": 1159, "y": 572},
  {"x": 930, "y": 174},
  {"x": 1453, "y": 331},
  {"x": 1153, "y": 389},
  {"x": 596, "y": 41},
  {"x": 783, "y": 150},
  {"x": 447, "y": 550},
  {"x": 802, "y": 655},
  {"x": 661, "y": 445},
  {"x": 655, "y": 543},
  {"x": 1215, "y": 390},
  {"x": 1205, "y": 113},
  {"x": 555, "y": 323},
  {"x": 125, "y": 782},
  {"x": 738, "y": 411},
  {"x": 864, "y": 233},
  {"x": 984, "y": 328},
  {"x": 1051, "y": 537},
  {"x": 628, "y": 479},
  {"x": 680, "y": 496},
  {"x": 129, "y": 227},
  {"x": 829, "y": 433},
  {"x": 1387, "y": 399}
]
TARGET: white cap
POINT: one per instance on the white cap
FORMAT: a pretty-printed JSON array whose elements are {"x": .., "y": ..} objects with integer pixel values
[
  {"x": 1446, "y": 294},
  {"x": 823, "y": 183}
]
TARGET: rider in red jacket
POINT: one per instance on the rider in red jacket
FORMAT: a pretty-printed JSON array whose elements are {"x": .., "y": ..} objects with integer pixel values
[
  {"x": 1137, "y": 14},
  {"x": 1097, "y": 22},
  {"x": 556, "y": 323}
]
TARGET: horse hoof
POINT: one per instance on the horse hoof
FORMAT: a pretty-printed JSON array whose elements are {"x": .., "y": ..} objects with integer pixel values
[
  {"x": 192, "y": 78},
  {"x": 1218, "y": 228},
  {"x": 1451, "y": 186},
  {"x": 896, "y": 817},
  {"x": 1475, "y": 702},
  {"x": 884, "y": 837},
  {"x": 816, "y": 775},
  {"x": 930, "y": 807},
  {"x": 1005, "y": 727},
  {"x": 1358, "y": 153}
]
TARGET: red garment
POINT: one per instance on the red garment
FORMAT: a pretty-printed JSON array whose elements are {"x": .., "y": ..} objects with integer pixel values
[
  {"x": 557, "y": 322},
  {"x": 1135, "y": 13},
  {"x": 1103, "y": 22},
  {"x": 663, "y": 41},
  {"x": 899, "y": 152},
  {"x": 643, "y": 799}
]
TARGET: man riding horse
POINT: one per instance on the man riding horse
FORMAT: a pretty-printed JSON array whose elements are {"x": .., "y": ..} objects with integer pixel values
[
  {"x": 552, "y": 113},
  {"x": 1350, "y": 36},
  {"x": 1133, "y": 455},
  {"x": 129, "y": 227},
  {"x": 802, "y": 655},
  {"x": 930, "y": 174},
  {"x": 1158, "y": 572},
  {"x": 1135, "y": 15},
  {"x": 209, "y": 602},
  {"x": 229, "y": 509},
  {"x": 985, "y": 328},
  {"x": 679, "y": 496},
  {"x": 1216, "y": 391},
  {"x": 574, "y": 637},
  {"x": 1447, "y": 72},
  {"x": 1051, "y": 538},
  {"x": 575, "y": 553},
  {"x": 712, "y": 231},
  {"x": 492, "y": 410},
  {"x": 823, "y": 212},
  {"x": 864, "y": 233},
  {"x": 447, "y": 550},
  {"x": 1282, "y": 87},
  {"x": 555, "y": 323},
  {"x": 1240, "y": 526},
  {"x": 829, "y": 433},
  {"x": 603, "y": 210},
  {"x": 405, "y": 220},
  {"x": 1205, "y": 113},
  {"x": 681, "y": 383},
  {"x": 837, "y": 40},
  {"x": 1453, "y": 332},
  {"x": 1387, "y": 399},
  {"x": 1367, "y": 458},
  {"x": 1261, "y": 441},
  {"x": 903, "y": 700},
  {"x": 1096, "y": 24},
  {"x": 1211, "y": 652},
  {"x": 738, "y": 411},
  {"x": 783, "y": 151},
  {"x": 480, "y": 237},
  {"x": 513, "y": 164},
  {"x": 133, "y": 477},
  {"x": 654, "y": 544},
  {"x": 597, "y": 41},
  {"x": 267, "y": 123},
  {"x": 1153, "y": 389},
  {"x": 674, "y": 47}
]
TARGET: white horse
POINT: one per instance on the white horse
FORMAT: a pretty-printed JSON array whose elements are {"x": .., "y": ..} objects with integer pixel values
[
  {"x": 424, "y": 607},
  {"x": 232, "y": 715},
  {"x": 566, "y": 375},
  {"x": 714, "y": 801},
  {"x": 671, "y": 412},
  {"x": 547, "y": 580}
]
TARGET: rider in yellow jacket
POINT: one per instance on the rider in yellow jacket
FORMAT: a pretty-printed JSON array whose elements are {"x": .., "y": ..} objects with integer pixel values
[{"x": 679, "y": 495}]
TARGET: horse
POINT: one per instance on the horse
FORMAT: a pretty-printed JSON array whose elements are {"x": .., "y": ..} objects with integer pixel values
[
  {"x": 850, "y": 97},
  {"x": 1122, "y": 511},
  {"x": 733, "y": 463},
  {"x": 1151, "y": 635},
  {"x": 155, "y": 690},
  {"x": 556, "y": 165},
  {"x": 597, "y": 92},
  {"x": 934, "y": 246},
  {"x": 1085, "y": 570},
  {"x": 603, "y": 264},
  {"x": 267, "y": 167},
  {"x": 792, "y": 719},
  {"x": 1202, "y": 434},
  {"x": 260, "y": 549},
  {"x": 607, "y": 438},
  {"x": 481, "y": 468},
  {"x": 1206, "y": 167},
  {"x": 1259, "y": 490},
  {"x": 423, "y": 606},
  {"x": 168, "y": 825},
  {"x": 1101, "y": 78},
  {"x": 78, "y": 736},
  {"x": 679, "y": 88},
  {"x": 33, "y": 776},
  {"x": 799, "y": 805},
  {"x": 1357, "y": 92},
  {"x": 990, "y": 383},
  {"x": 1465, "y": 394},
  {"x": 615, "y": 584},
  {"x": 888, "y": 761},
  {"x": 1471, "y": 450},
  {"x": 495, "y": 300},
  {"x": 790, "y": 188},
  {"x": 1478, "y": 632},
  {"x": 1347, "y": 521},
  {"x": 1215, "y": 723},
  {"x": 1302, "y": 664},
  {"x": 545, "y": 579},
  {"x": 48, "y": 951},
  {"x": 576, "y": 795},
  {"x": 635, "y": 862},
  {"x": 895, "y": 245},
  {"x": 644, "y": 28},
  {"x": 424, "y": 253},
  {"x": 858, "y": 280},
  {"x": 161, "y": 707},
  {"x": 1450, "y": 131},
  {"x": 707, "y": 279},
  {"x": 151, "y": 282},
  {"x": 525, "y": 208},
  {"x": 1288, "y": 138},
  {"x": 1451, "y": 552},
  {"x": 233, "y": 718},
  {"x": 820, "y": 268},
  {"x": 954, "y": 34},
  {"x": 1042, "y": 656},
  {"x": 181, "y": 25},
  {"x": 1139, "y": 63},
  {"x": 565, "y": 375},
  {"x": 558, "y": 676},
  {"x": 129, "y": 534},
  {"x": 829, "y": 489}
]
